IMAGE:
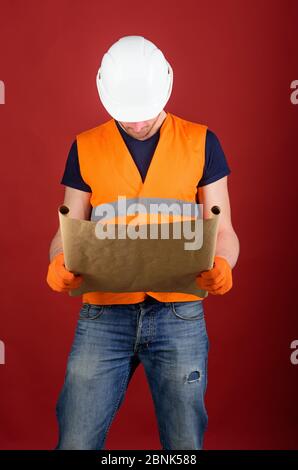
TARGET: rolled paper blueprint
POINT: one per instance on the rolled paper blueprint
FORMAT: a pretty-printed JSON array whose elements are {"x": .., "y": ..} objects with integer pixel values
[{"x": 125, "y": 264}]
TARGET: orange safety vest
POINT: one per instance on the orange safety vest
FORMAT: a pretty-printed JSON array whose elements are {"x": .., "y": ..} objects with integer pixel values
[{"x": 108, "y": 168}]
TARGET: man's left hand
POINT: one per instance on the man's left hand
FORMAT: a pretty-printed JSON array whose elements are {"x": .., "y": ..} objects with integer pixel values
[{"x": 217, "y": 280}]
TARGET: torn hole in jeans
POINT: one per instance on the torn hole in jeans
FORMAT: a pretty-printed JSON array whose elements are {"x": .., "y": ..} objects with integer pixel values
[{"x": 194, "y": 376}]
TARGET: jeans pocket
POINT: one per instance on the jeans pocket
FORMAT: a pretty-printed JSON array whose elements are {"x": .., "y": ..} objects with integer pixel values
[
  {"x": 192, "y": 310},
  {"x": 91, "y": 311}
]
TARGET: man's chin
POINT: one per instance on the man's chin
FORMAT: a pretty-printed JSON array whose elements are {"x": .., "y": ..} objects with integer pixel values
[{"x": 140, "y": 135}]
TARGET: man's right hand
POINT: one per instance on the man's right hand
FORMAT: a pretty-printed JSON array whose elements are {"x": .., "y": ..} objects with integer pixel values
[{"x": 59, "y": 278}]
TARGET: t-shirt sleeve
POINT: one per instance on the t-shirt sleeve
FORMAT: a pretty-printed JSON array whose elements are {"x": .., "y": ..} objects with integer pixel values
[
  {"x": 72, "y": 175},
  {"x": 216, "y": 165}
]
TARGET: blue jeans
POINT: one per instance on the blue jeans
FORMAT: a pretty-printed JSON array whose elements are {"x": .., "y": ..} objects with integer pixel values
[{"x": 168, "y": 338}]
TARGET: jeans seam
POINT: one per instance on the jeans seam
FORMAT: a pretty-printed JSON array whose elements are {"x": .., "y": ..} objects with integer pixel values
[
  {"x": 182, "y": 318},
  {"x": 87, "y": 307},
  {"x": 98, "y": 314},
  {"x": 123, "y": 386}
]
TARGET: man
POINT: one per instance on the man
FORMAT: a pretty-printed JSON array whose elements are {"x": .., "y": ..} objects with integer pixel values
[{"x": 144, "y": 153}]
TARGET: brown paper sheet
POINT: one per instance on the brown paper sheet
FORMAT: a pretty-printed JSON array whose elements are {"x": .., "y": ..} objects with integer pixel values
[{"x": 137, "y": 265}]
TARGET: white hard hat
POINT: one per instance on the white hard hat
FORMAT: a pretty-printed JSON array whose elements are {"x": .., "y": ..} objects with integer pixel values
[{"x": 134, "y": 81}]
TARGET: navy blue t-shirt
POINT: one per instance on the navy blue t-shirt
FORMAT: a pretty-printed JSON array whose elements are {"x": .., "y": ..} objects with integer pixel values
[{"x": 215, "y": 167}]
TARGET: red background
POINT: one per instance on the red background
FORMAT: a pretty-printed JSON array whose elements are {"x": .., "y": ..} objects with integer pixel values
[{"x": 233, "y": 64}]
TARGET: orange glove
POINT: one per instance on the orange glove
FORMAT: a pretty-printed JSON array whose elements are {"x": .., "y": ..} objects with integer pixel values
[
  {"x": 217, "y": 280},
  {"x": 59, "y": 278}
]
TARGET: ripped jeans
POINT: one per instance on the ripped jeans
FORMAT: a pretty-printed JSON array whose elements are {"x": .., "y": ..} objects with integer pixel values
[{"x": 168, "y": 338}]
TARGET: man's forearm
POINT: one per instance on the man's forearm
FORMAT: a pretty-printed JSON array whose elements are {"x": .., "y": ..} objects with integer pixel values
[
  {"x": 228, "y": 246},
  {"x": 56, "y": 245}
]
